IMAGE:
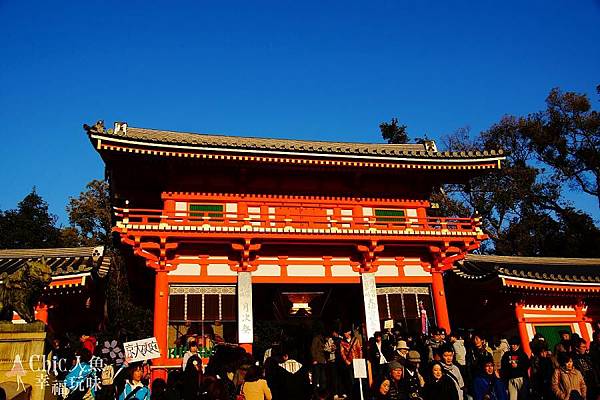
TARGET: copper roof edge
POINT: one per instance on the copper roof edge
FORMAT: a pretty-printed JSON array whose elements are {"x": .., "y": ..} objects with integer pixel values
[{"x": 532, "y": 260}]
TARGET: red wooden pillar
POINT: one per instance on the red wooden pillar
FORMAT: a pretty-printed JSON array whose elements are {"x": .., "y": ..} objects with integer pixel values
[
  {"x": 522, "y": 328},
  {"x": 41, "y": 312},
  {"x": 580, "y": 315},
  {"x": 439, "y": 300},
  {"x": 161, "y": 321}
]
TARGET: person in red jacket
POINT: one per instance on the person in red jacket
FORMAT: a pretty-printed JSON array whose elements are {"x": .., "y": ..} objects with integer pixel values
[{"x": 349, "y": 350}]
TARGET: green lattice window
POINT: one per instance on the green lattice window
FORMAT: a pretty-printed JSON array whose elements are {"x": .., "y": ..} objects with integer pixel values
[
  {"x": 550, "y": 333},
  {"x": 389, "y": 215},
  {"x": 206, "y": 210}
]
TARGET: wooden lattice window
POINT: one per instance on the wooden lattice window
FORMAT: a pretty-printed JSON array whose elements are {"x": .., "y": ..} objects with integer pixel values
[
  {"x": 206, "y": 210},
  {"x": 401, "y": 303},
  {"x": 196, "y": 309},
  {"x": 389, "y": 215},
  {"x": 202, "y": 303}
]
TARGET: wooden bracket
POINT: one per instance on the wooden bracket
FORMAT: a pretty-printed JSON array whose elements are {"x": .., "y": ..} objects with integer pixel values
[
  {"x": 247, "y": 255},
  {"x": 369, "y": 256}
]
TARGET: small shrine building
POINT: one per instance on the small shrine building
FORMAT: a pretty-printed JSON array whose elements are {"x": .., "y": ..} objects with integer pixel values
[
  {"x": 526, "y": 295},
  {"x": 77, "y": 286},
  {"x": 223, "y": 221}
]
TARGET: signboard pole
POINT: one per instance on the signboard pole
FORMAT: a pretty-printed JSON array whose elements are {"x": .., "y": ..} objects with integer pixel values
[
  {"x": 360, "y": 373},
  {"x": 362, "y": 396}
]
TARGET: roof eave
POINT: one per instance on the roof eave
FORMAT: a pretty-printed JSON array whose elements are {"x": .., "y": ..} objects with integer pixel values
[{"x": 98, "y": 138}]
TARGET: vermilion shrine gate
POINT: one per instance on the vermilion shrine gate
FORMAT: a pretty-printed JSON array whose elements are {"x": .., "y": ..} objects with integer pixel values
[{"x": 214, "y": 215}]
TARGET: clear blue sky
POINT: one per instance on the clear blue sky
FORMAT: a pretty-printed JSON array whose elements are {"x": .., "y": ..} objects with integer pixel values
[{"x": 297, "y": 69}]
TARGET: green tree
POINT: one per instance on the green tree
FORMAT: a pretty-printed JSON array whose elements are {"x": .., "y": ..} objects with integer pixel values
[
  {"x": 30, "y": 225},
  {"x": 90, "y": 214},
  {"x": 393, "y": 133},
  {"x": 522, "y": 206},
  {"x": 566, "y": 136}
]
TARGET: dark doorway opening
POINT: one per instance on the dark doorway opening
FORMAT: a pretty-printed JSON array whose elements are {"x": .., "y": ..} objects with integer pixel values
[{"x": 291, "y": 314}]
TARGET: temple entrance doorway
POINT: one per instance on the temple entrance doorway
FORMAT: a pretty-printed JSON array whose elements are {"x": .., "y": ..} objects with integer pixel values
[{"x": 290, "y": 314}]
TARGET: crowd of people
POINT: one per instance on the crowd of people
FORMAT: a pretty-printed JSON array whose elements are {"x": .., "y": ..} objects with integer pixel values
[{"x": 461, "y": 365}]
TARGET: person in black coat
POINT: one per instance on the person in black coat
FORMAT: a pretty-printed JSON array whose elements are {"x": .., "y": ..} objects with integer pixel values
[
  {"x": 439, "y": 386},
  {"x": 515, "y": 370},
  {"x": 542, "y": 370},
  {"x": 290, "y": 380},
  {"x": 378, "y": 356},
  {"x": 192, "y": 378}
]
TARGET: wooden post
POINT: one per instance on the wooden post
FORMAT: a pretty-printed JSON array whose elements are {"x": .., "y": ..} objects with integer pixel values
[
  {"x": 580, "y": 315},
  {"x": 522, "y": 328},
  {"x": 161, "y": 321},
  {"x": 439, "y": 300}
]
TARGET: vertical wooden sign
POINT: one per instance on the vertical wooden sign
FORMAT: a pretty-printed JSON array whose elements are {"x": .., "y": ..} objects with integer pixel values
[
  {"x": 245, "y": 331},
  {"x": 370, "y": 300}
]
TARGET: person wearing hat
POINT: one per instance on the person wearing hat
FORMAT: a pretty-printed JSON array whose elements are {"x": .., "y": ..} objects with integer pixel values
[
  {"x": 414, "y": 380},
  {"x": 515, "y": 367},
  {"x": 401, "y": 353},
  {"x": 393, "y": 386}
]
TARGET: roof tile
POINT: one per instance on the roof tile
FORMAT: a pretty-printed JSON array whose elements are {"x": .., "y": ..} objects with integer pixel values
[{"x": 247, "y": 143}]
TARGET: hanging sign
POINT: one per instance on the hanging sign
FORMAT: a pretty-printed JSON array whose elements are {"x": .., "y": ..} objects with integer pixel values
[
  {"x": 370, "y": 300},
  {"x": 245, "y": 332}
]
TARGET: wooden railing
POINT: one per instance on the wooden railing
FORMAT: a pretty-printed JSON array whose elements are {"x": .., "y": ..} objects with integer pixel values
[{"x": 152, "y": 217}]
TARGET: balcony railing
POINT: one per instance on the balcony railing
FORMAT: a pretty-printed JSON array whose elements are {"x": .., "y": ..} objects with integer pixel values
[{"x": 154, "y": 219}]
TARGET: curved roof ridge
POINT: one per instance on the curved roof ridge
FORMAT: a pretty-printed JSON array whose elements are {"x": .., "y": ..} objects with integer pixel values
[{"x": 261, "y": 138}]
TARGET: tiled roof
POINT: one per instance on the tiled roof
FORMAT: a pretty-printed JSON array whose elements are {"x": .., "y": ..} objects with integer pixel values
[
  {"x": 572, "y": 270},
  {"x": 233, "y": 143},
  {"x": 62, "y": 261}
]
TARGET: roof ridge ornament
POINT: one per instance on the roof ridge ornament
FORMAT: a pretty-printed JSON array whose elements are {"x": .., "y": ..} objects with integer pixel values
[
  {"x": 98, "y": 127},
  {"x": 430, "y": 145},
  {"x": 120, "y": 128}
]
